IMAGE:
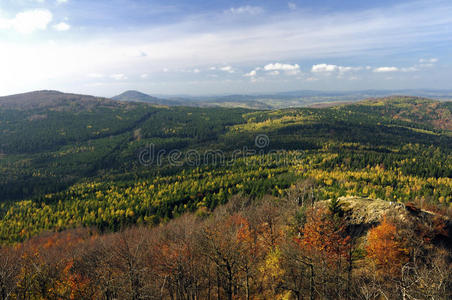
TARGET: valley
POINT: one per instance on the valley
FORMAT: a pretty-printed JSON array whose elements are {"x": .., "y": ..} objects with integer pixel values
[
  {"x": 203, "y": 201},
  {"x": 78, "y": 164}
]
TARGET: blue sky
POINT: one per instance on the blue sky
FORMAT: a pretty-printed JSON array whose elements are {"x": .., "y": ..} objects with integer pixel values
[{"x": 223, "y": 47}]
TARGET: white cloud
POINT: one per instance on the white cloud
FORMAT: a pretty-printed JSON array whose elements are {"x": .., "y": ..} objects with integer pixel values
[
  {"x": 256, "y": 79},
  {"x": 292, "y": 6},
  {"x": 330, "y": 69},
  {"x": 61, "y": 1},
  {"x": 345, "y": 69},
  {"x": 281, "y": 67},
  {"x": 274, "y": 73},
  {"x": 118, "y": 76},
  {"x": 348, "y": 69},
  {"x": 196, "y": 71},
  {"x": 62, "y": 26},
  {"x": 96, "y": 75},
  {"x": 144, "y": 76},
  {"x": 292, "y": 72},
  {"x": 228, "y": 69},
  {"x": 297, "y": 36},
  {"x": 324, "y": 68},
  {"x": 251, "y": 74},
  {"x": 386, "y": 69},
  {"x": 29, "y": 21},
  {"x": 409, "y": 69},
  {"x": 288, "y": 69},
  {"x": 251, "y": 10},
  {"x": 428, "y": 60}
]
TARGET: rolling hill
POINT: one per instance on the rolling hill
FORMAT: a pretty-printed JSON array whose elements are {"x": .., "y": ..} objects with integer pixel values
[
  {"x": 303, "y": 98},
  {"x": 337, "y": 199},
  {"x": 61, "y": 150},
  {"x": 136, "y": 96},
  {"x": 54, "y": 100}
]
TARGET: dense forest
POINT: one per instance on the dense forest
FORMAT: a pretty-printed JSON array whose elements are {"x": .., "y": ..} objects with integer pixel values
[
  {"x": 274, "y": 248},
  {"x": 110, "y": 200}
]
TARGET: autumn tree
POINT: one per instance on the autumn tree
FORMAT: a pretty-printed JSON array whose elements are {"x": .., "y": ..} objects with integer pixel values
[
  {"x": 9, "y": 271},
  {"x": 219, "y": 240},
  {"x": 95, "y": 261},
  {"x": 325, "y": 241},
  {"x": 296, "y": 271},
  {"x": 384, "y": 249},
  {"x": 427, "y": 278},
  {"x": 45, "y": 264},
  {"x": 178, "y": 265}
]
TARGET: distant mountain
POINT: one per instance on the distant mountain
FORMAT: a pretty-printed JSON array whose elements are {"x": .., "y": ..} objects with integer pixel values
[
  {"x": 54, "y": 100},
  {"x": 303, "y": 98},
  {"x": 361, "y": 94},
  {"x": 136, "y": 96},
  {"x": 414, "y": 110}
]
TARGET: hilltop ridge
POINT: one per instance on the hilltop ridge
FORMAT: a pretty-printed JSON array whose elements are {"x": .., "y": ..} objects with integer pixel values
[
  {"x": 136, "y": 96},
  {"x": 48, "y": 99},
  {"x": 415, "y": 110}
]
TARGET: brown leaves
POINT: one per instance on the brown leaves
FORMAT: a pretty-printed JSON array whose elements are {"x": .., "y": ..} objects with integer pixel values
[
  {"x": 384, "y": 249},
  {"x": 324, "y": 234}
]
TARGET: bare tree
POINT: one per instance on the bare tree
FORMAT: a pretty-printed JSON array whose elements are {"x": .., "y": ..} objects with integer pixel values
[{"x": 9, "y": 271}]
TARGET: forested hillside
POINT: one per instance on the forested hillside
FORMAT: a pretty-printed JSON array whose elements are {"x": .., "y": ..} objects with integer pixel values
[
  {"x": 50, "y": 140},
  {"x": 284, "y": 247},
  {"x": 77, "y": 160},
  {"x": 136, "y": 96},
  {"x": 240, "y": 197}
]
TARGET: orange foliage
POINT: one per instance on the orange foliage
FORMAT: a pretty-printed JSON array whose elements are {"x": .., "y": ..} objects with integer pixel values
[
  {"x": 384, "y": 249},
  {"x": 48, "y": 260},
  {"x": 325, "y": 235},
  {"x": 72, "y": 284}
]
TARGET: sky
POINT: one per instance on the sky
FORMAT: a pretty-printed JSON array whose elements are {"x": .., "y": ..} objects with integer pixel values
[{"x": 194, "y": 47}]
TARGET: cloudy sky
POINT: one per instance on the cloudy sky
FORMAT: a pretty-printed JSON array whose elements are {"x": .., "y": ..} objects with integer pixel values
[{"x": 104, "y": 47}]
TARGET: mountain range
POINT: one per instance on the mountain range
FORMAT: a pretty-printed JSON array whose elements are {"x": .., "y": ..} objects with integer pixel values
[{"x": 279, "y": 100}]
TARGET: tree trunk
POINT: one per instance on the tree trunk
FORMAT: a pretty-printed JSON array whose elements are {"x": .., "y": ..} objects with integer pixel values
[
  {"x": 247, "y": 287},
  {"x": 311, "y": 283},
  {"x": 218, "y": 286}
]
